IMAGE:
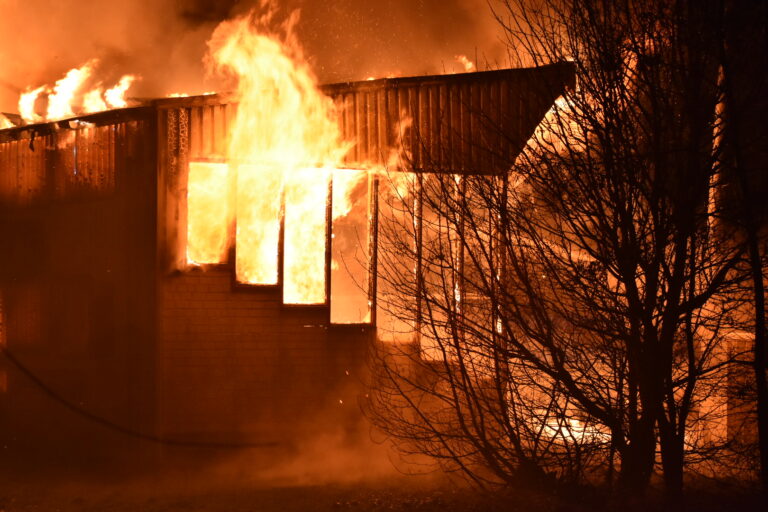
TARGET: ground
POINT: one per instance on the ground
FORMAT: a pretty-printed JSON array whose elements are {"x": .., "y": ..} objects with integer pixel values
[
  {"x": 177, "y": 497},
  {"x": 392, "y": 495},
  {"x": 321, "y": 479}
]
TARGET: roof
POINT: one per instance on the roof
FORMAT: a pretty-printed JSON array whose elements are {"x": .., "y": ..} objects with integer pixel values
[{"x": 461, "y": 123}]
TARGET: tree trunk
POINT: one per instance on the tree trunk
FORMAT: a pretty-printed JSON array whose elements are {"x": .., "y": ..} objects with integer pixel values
[
  {"x": 744, "y": 54},
  {"x": 759, "y": 360},
  {"x": 672, "y": 462},
  {"x": 637, "y": 459}
]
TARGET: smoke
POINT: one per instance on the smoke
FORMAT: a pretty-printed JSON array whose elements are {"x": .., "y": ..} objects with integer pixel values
[
  {"x": 160, "y": 40},
  {"x": 353, "y": 40},
  {"x": 164, "y": 41},
  {"x": 321, "y": 459}
]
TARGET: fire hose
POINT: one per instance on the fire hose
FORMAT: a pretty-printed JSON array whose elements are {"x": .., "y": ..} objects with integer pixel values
[{"x": 111, "y": 425}]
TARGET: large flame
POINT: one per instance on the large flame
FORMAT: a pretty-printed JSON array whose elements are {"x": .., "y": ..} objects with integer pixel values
[
  {"x": 93, "y": 101},
  {"x": 115, "y": 97},
  {"x": 27, "y": 103},
  {"x": 284, "y": 163},
  {"x": 69, "y": 97},
  {"x": 209, "y": 214},
  {"x": 60, "y": 101},
  {"x": 284, "y": 143},
  {"x": 5, "y": 122}
]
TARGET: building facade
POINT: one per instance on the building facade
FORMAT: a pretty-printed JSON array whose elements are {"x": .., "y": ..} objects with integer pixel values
[{"x": 114, "y": 333}]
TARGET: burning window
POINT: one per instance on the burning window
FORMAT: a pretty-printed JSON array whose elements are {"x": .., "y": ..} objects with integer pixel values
[
  {"x": 209, "y": 215},
  {"x": 437, "y": 255},
  {"x": 306, "y": 199},
  {"x": 266, "y": 203},
  {"x": 351, "y": 235},
  {"x": 399, "y": 241},
  {"x": 259, "y": 199}
]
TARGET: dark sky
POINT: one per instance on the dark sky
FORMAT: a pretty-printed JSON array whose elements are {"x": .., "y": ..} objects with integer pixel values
[
  {"x": 352, "y": 39},
  {"x": 164, "y": 40}
]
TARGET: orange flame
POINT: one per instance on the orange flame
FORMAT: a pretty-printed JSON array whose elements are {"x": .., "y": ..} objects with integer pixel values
[
  {"x": 284, "y": 153},
  {"x": 27, "y": 102},
  {"x": 115, "y": 96},
  {"x": 5, "y": 122},
  {"x": 469, "y": 66},
  {"x": 65, "y": 98},
  {"x": 61, "y": 99},
  {"x": 93, "y": 101},
  {"x": 209, "y": 213},
  {"x": 187, "y": 95},
  {"x": 284, "y": 143}
]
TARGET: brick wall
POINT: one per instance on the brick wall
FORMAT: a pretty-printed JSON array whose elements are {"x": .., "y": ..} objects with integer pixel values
[{"x": 235, "y": 364}]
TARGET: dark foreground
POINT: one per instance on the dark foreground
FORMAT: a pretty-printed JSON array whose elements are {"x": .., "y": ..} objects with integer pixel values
[
  {"x": 175, "y": 496},
  {"x": 322, "y": 476},
  {"x": 394, "y": 494}
]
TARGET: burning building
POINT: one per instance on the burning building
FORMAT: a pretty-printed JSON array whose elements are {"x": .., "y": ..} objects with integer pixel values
[{"x": 165, "y": 286}]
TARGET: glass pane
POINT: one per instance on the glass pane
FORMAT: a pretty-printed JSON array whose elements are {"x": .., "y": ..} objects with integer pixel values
[
  {"x": 259, "y": 191},
  {"x": 306, "y": 200},
  {"x": 209, "y": 213},
  {"x": 350, "y": 249},
  {"x": 399, "y": 225}
]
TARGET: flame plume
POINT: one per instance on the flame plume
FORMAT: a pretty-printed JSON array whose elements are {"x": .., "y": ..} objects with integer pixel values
[
  {"x": 284, "y": 144},
  {"x": 115, "y": 97},
  {"x": 60, "y": 101},
  {"x": 65, "y": 98},
  {"x": 27, "y": 104}
]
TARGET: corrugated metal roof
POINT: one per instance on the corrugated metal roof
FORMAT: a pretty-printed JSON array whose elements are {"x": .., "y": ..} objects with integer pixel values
[
  {"x": 462, "y": 123},
  {"x": 70, "y": 158}
]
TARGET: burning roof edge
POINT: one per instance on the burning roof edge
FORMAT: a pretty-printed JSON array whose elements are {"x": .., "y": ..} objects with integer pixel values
[
  {"x": 551, "y": 79},
  {"x": 47, "y": 127}
]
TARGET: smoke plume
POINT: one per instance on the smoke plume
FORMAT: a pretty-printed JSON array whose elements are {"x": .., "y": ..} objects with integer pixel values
[{"x": 164, "y": 41}]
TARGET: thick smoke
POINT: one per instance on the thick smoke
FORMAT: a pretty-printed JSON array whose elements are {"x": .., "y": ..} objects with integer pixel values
[
  {"x": 163, "y": 41},
  {"x": 160, "y": 40},
  {"x": 354, "y": 39}
]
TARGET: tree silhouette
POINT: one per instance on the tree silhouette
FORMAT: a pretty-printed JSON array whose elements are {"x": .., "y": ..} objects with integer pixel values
[{"x": 573, "y": 313}]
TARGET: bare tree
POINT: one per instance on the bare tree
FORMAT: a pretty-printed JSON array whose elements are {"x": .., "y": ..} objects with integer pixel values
[
  {"x": 743, "y": 57},
  {"x": 576, "y": 308}
]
